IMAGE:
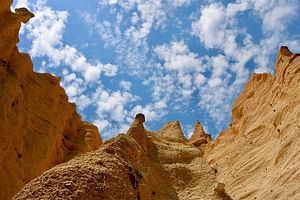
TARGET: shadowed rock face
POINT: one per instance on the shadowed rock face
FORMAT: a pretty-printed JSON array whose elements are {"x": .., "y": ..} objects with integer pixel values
[
  {"x": 139, "y": 165},
  {"x": 258, "y": 157},
  {"x": 38, "y": 128}
]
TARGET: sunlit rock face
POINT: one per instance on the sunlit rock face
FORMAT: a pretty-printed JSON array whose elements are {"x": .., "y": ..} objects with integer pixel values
[
  {"x": 137, "y": 165},
  {"x": 257, "y": 157},
  {"x": 39, "y": 128},
  {"x": 199, "y": 137}
]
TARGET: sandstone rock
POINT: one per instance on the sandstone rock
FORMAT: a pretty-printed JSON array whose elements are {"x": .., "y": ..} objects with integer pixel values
[
  {"x": 10, "y": 24},
  {"x": 172, "y": 130},
  {"x": 38, "y": 128},
  {"x": 139, "y": 165},
  {"x": 258, "y": 156},
  {"x": 199, "y": 136}
]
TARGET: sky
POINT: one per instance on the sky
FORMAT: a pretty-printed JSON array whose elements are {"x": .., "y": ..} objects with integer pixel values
[{"x": 169, "y": 59}]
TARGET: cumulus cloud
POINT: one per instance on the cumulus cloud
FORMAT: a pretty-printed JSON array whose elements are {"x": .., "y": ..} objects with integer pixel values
[
  {"x": 179, "y": 3},
  {"x": 275, "y": 14},
  {"x": 116, "y": 110},
  {"x": 21, "y": 3},
  {"x": 175, "y": 75},
  {"x": 177, "y": 56},
  {"x": 210, "y": 27},
  {"x": 113, "y": 104},
  {"x": 218, "y": 27},
  {"x": 46, "y": 33},
  {"x": 126, "y": 85}
]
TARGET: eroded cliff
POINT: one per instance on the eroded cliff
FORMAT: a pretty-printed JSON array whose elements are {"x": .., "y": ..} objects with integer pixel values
[
  {"x": 39, "y": 128},
  {"x": 258, "y": 157}
]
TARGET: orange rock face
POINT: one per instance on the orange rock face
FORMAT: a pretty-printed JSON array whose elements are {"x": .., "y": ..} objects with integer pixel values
[
  {"x": 139, "y": 165},
  {"x": 258, "y": 157},
  {"x": 38, "y": 128}
]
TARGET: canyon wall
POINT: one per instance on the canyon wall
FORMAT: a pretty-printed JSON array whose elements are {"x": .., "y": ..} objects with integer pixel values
[
  {"x": 258, "y": 156},
  {"x": 39, "y": 128}
]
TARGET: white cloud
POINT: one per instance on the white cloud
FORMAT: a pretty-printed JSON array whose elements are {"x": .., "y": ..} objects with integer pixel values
[
  {"x": 126, "y": 85},
  {"x": 176, "y": 56},
  {"x": 210, "y": 27},
  {"x": 101, "y": 124},
  {"x": 275, "y": 14},
  {"x": 46, "y": 33},
  {"x": 21, "y": 3},
  {"x": 199, "y": 80},
  {"x": 236, "y": 7},
  {"x": 110, "y": 70},
  {"x": 111, "y": 2},
  {"x": 116, "y": 110},
  {"x": 179, "y": 3},
  {"x": 113, "y": 104},
  {"x": 217, "y": 27},
  {"x": 92, "y": 73},
  {"x": 150, "y": 113}
]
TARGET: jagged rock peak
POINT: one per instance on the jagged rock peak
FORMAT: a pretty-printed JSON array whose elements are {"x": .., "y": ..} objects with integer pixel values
[
  {"x": 198, "y": 129},
  {"x": 199, "y": 136},
  {"x": 284, "y": 58},
  {"x": 140, "y": 117},
  {"x": 137, "y": 130},
  {"x": 173, "y": 131},
  {"x": 10, "y": 24},
  {"x": 23, "y": 14},
  {"x": 284, "y": 51},
  {"x": 137, "y": 124}
]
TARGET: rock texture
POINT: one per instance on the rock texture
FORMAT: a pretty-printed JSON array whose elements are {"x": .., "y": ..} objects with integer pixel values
[
  {"x": 258, "y": 157},
  {"x": 139, "y": 165},
  {"x": 173, "y": 131},
  {"x": 38, "y": 128},
  {"x": 199, "y": 137}
]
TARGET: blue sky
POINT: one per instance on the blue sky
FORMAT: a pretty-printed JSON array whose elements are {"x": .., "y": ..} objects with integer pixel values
[{"x": 170, "y": 59}]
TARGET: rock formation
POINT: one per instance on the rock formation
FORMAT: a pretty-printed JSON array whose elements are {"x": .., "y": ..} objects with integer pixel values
[
  {"x": 139, "y": 165},
  {"x": 258, "y": 156},
  {"x": 199, "y": 137},
  {"x": 38, "y": 128},
  {"x": 173, "y": 131}
]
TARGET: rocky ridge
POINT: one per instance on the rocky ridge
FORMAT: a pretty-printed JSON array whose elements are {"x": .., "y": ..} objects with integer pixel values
[
  {"x": 137, "y": 165},
  {"x": 39, "y": 128}
]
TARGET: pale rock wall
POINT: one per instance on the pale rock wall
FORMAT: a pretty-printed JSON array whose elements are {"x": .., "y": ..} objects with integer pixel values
[{"x": 258, "y": 156}]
